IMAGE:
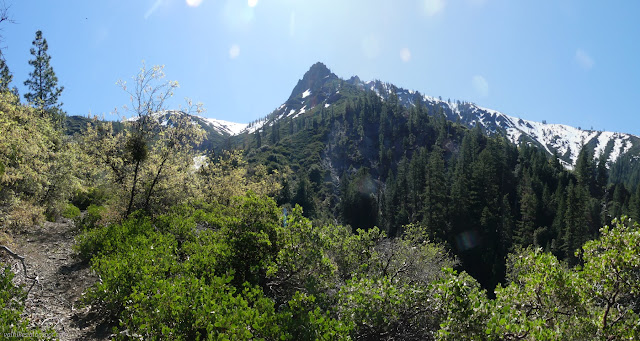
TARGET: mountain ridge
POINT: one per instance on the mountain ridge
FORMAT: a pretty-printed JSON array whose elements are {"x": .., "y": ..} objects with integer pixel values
[{"x": 320, "y": 88}]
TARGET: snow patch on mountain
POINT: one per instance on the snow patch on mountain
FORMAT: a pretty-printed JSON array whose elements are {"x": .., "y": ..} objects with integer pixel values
[
  {"x": 566, "y": 141},
  {"x": 302, "y": 111},
  {"x": 603, "y": 141},
  {"x": 222, "y": 126},
  {"x": 255, "y": 125},
  {"x": 306, "y": 93},
  {"x": 621, "y": 146}
]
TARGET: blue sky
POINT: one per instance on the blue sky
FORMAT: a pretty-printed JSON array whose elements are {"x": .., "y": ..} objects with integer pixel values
[{"x": 563, "y": 61}]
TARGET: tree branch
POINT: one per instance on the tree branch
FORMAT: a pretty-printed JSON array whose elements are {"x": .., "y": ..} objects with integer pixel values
[{"x": 24, "y": 266}]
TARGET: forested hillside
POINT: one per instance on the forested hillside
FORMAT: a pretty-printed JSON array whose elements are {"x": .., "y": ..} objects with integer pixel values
[
  {"x": 366, "y": 161},
  {"x": 356, "y": 218}
]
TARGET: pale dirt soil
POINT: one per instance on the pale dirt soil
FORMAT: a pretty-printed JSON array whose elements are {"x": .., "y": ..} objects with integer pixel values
[{"x": 54, "y": 301}]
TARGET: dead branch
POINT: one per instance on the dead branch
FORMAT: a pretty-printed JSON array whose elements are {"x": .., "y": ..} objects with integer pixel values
[{"x": 24, "y": 266}]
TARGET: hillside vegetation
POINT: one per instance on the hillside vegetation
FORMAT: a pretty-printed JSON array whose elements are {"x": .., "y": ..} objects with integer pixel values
[{"x": 363, "y": 220}]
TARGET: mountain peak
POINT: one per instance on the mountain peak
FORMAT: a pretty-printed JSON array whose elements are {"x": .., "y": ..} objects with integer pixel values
[
  {"x": 319, "y": 67},
  {"x": 313, "y": 79}
]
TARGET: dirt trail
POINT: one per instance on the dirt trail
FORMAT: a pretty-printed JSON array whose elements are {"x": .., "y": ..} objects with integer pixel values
[{"x": 54, "y": 300}]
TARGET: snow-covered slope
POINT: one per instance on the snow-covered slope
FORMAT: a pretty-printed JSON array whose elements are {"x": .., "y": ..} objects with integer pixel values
[
  {"x": 220, "y": 126},
  {"x": 566, "y": 141},
  {"x": 225, "y": 127},
  {"x": 563, "y": 140}
]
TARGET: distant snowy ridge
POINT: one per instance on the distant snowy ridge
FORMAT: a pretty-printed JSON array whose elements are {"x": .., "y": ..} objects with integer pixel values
[
  {"x": 221, "y": 126},
  {"x": 564, "y": 140},
  {"x": 225, "y": 127},
  {"x": 321, "y": 88}
]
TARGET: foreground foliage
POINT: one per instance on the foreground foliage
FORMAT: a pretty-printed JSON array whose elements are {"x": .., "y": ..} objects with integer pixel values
[
  {"x": 247, "y": 271},
  {"x": 546, "y": 300},
  {"x": 11, "y": 308},
  {"x": 36, "y": 165},
  {"x": 208, "y": 271}
]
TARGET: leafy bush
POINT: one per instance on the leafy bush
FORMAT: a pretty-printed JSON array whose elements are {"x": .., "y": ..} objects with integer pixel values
[
  {"x": 11, "y": 308},
  {"x": 143, "y": 259},
  {"x": 198, "y": 273},
  {"x": 91, "y": 218},
  {"x": 187, "y": 308},
  {"x": 83, "y": 198},
  {"x": 303, "y": 319},
  {"x": 71, "y": 211},
  {"x": 375, "y": 307},
  {"x": 546, "y": 300},
  {"x": 37, "y": 163},
  {"x": 240, "y": 272},
  {"x": 111, "y": 238},
  {"x": 25, "y": 213}
]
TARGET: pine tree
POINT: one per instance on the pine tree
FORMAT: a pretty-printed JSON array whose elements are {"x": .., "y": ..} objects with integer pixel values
[
  {"x": 558, "y": 226},
  {"x": 258, "y": 139},
  {"x": 389, "y": 205},
  {"x": 416, "y": 181},
  {"x": 43, "y": 82},
  {"x": 5, "y": 75},
  {"x": 528, "y": 210},
  {"x": 284, "y": 197},
  {"x": 359, "y": 205},
  {"x": 506, "y": 226},
  {"x": 304, "y": 196},
  {"x": 436, "y": 196},
  {"x": 602, "y": 176},
  {"x": 577, "y": 220},
  {"x": 617, "y": 202},
  {"x": 634, "y": 204},
  {"x": 585, "y": 169},
  {"x": 275, "y": 133}
]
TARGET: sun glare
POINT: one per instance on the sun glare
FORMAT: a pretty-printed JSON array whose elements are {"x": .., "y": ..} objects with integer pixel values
[
  {"x": 252, "y": 3},
  {"x": 405, "y": 55},
  {"x": 234, "y": 51},
  {"x": 194, "y": 3}
]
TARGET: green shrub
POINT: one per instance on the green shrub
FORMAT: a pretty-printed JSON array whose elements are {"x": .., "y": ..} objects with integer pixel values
[
  {"x": 187, "y": 308},
  {"x": 106, "y": 240},
  {"x": 206, "y": 271},
  {"x": 89, "y": 196},
  {"x": 71, "y": 211},
  {"x": 302, "y": 319},
  {"x": 91, "y": 218},
  {"x": 140, "y": 260},
  {"x": 11, "y": 308}
]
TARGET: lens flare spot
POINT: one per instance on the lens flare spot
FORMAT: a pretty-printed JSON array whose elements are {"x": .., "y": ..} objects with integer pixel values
[
  {"x": 433, "y": 7},
  {"x": 234, "y": 51},
  {"x": 467, "y": 240},
  {"x": 405, "y": 55},
  {"x": 252, "y": 3},
  {"x": 194, "y": 3},
  {"x": 371, "y": 46}
]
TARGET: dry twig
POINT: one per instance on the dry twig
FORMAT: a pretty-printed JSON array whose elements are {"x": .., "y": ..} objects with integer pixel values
[{"x": 24, "y": 266}]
